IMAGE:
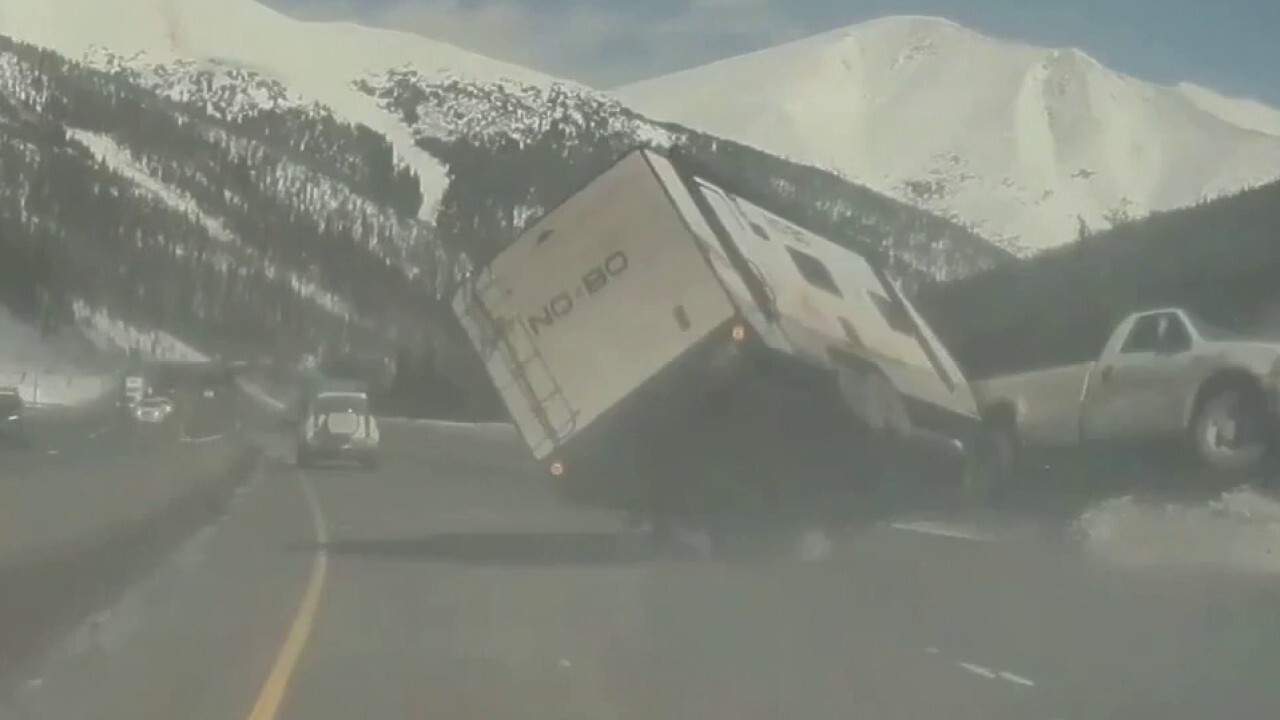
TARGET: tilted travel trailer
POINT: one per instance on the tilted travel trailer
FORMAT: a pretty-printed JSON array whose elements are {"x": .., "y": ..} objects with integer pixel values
[{"x": 668, "y": 347}]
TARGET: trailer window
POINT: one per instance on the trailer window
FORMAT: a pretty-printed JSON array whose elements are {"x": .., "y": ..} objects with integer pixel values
[
  {"x": 850, "y": 332},
  {"x": 682, "y": 317},
  {"x": 812, "y": 269},
  {"x": 893, "y": 314}
]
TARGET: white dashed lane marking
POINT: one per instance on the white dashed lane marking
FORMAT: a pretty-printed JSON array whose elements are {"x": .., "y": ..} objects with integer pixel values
[
  {"x": 979, "y": 670},
  {"x": 988, "y": 672},
  {"x": 1016, "y": 678},
  {"x": 941, "y": 529}
]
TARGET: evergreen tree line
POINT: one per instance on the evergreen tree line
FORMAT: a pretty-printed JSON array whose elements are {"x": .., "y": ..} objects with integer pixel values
[
  {"x": 1219, "y": 258},
  {"x": 69, "y": 231}
]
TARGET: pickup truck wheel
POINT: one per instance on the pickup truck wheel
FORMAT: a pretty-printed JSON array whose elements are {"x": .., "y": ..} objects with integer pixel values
[{"x": 1227, "y": 431}]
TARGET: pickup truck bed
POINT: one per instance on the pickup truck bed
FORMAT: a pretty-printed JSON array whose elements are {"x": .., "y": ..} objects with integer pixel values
[{"x": 1163, "y": 375}]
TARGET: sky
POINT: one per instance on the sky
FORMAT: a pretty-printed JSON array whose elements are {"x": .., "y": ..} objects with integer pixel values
[{"x": 1227, "y": 45}]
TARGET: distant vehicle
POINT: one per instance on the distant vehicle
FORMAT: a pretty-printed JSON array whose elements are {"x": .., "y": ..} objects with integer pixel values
[
  {"x": 1163, "y": 374},
  {"x": 154, "y": 409},
  {"x": 12, "y": 409},
  {"x": 671, "y": 349},
  {"x": 338, "y": 425}
]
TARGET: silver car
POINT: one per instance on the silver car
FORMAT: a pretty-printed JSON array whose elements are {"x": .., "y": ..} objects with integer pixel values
[
  {"x": 338, "y": 425},
  {"x": 154, "y": 409}
]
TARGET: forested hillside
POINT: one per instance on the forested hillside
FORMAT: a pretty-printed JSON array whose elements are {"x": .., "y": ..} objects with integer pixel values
[
  {"x": 271, "y": 230},
  {"x": 1220, "y": 258}
]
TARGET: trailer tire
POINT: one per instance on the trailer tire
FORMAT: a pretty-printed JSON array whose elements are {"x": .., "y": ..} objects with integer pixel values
[
  {"x": 1223, "y": 410},
  {"x": 992, "y": 466},
  {"x": 874, "y": 399}
]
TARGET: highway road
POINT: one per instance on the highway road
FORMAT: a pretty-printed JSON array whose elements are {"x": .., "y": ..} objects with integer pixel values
[
  {"x": 90, "y": 501},
  {"x": 451, "y": 585}
]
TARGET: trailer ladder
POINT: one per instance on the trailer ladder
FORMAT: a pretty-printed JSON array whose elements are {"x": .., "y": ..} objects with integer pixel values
[{"x": 495, "y": 336}]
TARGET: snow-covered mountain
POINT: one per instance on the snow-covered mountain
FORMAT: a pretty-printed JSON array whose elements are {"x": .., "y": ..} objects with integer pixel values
[
  {"x": 248, "y": 65},
  {"x": 1017, "y": 141},
  {"x": 238, "y": 59}
]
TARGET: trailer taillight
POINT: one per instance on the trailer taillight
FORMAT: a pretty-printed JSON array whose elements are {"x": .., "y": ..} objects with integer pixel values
[{"x": 557, "y": 468}]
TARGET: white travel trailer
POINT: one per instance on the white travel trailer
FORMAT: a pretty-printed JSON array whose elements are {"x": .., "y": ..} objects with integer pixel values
[{"x": 658, "y": 340}]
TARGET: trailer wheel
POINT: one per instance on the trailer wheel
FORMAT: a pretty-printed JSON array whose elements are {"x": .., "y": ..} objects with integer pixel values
[
  {"x": 992, "y": 464},
  {"x": 870, "y": 395},
  {"x": 1227, "y": 431}
]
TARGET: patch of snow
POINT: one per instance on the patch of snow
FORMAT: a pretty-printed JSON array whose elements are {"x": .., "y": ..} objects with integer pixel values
[
  {"x": 1240, "y": 530},
  {"x": 109, "y": 334},
  {"x": 40, "y": 388},
  {"x": 23, "y": 346},
  {"x": 120, "y": 160},
  {"x": 46, "y": 371},
  {"x": 1014, "y": 140}
]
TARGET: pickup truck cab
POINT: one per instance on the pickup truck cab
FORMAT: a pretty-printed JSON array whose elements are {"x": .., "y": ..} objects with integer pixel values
[{"x": 1163, "y": 374}]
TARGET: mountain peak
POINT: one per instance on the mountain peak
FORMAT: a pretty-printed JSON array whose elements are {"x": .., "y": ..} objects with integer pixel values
[
  {"x": 916, "y": 29},
  {"x": 908, "y": 23},
  {"x": 1017, "y": 141}
]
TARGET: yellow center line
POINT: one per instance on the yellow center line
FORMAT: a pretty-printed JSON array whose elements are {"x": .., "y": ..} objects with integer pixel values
[{"x": 274, "y": 690}]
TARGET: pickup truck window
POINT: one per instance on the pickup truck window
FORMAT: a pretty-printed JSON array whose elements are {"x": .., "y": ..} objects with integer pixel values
[
  {"x": 812, "y": 269},
  {"x": 1158, "y": 332}
]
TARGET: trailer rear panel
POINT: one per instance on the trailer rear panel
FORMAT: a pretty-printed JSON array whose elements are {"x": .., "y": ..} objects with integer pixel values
[{"x": 589, "y": 302}]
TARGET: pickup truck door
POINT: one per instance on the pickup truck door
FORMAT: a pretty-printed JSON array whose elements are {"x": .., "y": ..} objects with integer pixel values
[{"x": 1133, "y": 391}]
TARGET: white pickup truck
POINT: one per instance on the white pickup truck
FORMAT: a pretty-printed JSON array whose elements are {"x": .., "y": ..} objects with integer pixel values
[{"x": 1164, "y": 374}]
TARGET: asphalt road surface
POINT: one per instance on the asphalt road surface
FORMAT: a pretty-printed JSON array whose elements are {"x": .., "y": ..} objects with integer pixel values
[{"x": 450, "y": 585}]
